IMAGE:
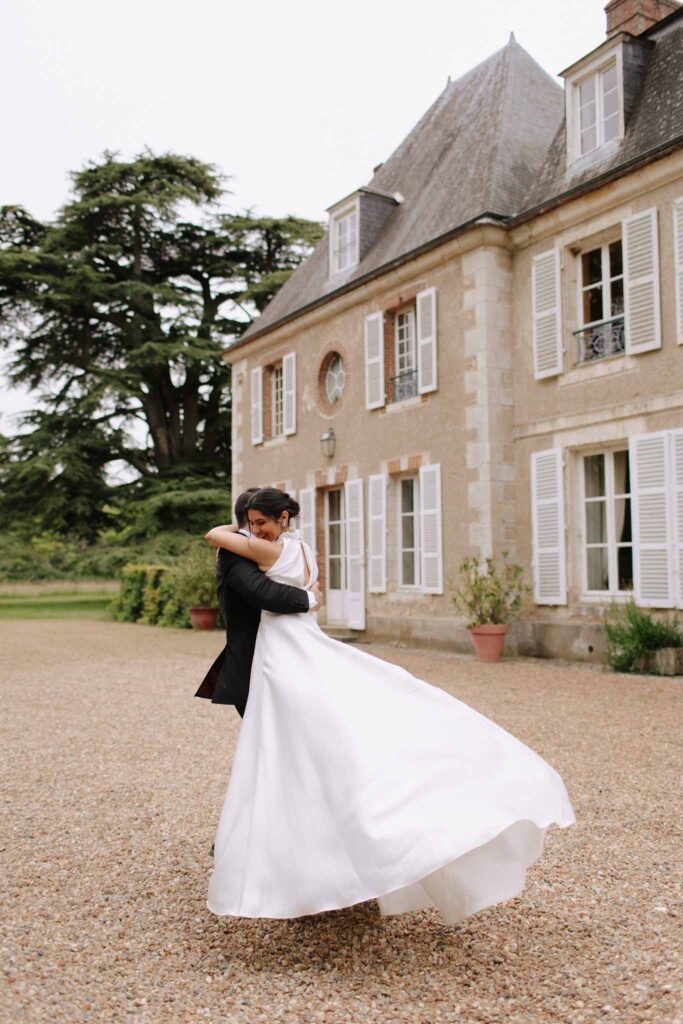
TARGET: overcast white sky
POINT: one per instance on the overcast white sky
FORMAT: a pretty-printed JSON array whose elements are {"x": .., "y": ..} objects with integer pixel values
[{"x": 296, "y": 100}]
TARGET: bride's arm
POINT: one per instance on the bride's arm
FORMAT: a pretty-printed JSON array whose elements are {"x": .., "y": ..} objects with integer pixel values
[{"x": 264, "y": 552}]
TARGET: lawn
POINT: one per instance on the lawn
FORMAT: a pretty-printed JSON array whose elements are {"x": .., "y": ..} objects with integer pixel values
[{"x": 56, "y": 604}]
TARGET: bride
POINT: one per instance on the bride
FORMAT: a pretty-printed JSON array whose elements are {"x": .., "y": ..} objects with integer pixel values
[{"x": 354, "y": 780}]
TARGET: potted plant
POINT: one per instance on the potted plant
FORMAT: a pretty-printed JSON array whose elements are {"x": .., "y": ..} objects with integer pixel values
[
  {"x": 194, "y": 584},
  {"x": 489, "y": 596}
]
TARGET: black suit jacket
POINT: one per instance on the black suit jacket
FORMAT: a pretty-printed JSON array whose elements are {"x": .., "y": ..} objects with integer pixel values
[{"x": 243, "y": 590}]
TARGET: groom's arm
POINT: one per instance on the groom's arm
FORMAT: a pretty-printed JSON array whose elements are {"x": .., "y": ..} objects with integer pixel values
[{"x": 258, "y": 591}]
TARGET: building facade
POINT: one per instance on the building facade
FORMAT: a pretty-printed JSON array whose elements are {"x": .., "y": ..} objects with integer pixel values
[{"x": 485, "y": 352}]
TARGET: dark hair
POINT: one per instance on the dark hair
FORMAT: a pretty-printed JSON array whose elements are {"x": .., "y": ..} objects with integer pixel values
[
  {"x": 273, "y": 502},
  {"x": 242, "y": 504}
]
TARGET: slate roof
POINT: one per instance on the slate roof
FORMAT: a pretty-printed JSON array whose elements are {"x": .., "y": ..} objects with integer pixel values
[
  {"x": 655, "y": 124},
  {"x": 492, "y": 143}
]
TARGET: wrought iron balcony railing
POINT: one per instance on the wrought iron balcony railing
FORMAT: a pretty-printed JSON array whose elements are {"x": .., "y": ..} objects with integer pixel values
[
  {"x": 404, "y": 385},
  {"x": 600, "y": 340}
]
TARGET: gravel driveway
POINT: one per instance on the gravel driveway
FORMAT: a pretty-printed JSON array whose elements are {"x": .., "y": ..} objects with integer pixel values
[{"x": 113, "y": 787}]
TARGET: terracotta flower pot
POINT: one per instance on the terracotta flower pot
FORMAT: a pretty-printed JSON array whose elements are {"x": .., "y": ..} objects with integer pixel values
[
  {"x": 488, "y": 641},
  {"x": 203, "y": 618}
]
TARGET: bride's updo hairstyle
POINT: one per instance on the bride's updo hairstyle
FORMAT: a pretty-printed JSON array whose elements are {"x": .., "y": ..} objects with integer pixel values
[{"x": 273, "y": 503}]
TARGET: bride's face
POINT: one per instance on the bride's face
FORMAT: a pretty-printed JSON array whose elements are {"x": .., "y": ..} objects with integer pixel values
[{"x": 262, "y": 526}]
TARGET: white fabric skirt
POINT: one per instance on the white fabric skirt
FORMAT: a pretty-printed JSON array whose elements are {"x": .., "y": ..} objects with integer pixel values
[{"x": 353, "y": 780}]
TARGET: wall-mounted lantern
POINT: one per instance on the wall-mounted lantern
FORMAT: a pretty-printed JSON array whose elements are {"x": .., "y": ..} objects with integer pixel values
[{"x": 327, "y": 443}]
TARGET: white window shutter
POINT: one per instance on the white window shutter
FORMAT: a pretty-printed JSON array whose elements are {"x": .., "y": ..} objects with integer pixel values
[
  {"x": 374, "y": 361},
  {"x": 354, "y": 596},
  {"x": 289, "y": 392},
  {"x": 547, "y": 517},
  {"x": 678, "y": 266},
  {"x": 425, "y": 305},
  {"x": 431, "y": 551},
  {"x": 377, "y": 533},
  {"x": 650, "y": 501},
  {"x": 546, "y": 313},
  {"x": 677, "y": 511},
  {"x": 257, "y": 405},
  {"x": 307, "y": 516},
  {"x": 641, "y": 282}
]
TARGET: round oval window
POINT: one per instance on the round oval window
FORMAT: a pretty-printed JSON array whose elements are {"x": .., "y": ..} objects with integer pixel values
[{"x": 334, "y": 378}]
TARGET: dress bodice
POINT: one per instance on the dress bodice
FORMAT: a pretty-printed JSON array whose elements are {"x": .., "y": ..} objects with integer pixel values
[{"x": 289, "y": 567}]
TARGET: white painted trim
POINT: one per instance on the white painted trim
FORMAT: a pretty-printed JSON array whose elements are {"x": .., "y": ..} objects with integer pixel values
[
  {"x": 335, "y": 217},
  {"x": 641, "y": 280},
  {"x": 289, "y": 393},
  {"x": 678, "y": 265}
]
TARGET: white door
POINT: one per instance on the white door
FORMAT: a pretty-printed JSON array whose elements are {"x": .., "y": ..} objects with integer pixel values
[
  {"x": 335, "y": 549},
  {"x": 345, "y": 555}
]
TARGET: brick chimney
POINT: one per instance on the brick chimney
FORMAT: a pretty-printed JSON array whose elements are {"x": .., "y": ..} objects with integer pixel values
[{"x": 635, "y": 16}]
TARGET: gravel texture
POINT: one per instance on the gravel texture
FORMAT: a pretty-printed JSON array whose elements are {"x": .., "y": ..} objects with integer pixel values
[{"x": 111, "y": 794}]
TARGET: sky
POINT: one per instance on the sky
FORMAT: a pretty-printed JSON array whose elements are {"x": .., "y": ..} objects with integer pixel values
[{"x": 295, "y": 101}]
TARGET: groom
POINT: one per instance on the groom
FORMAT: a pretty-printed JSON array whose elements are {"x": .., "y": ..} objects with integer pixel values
[{"x": 243, "y": 591}]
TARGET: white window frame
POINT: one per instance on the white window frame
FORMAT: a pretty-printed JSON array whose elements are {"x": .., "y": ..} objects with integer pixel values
[
  {"x": 597, "y": 66},
  {"x": 411, "y": 351},
  {"x": 606, "y": 281},
  {"x": 417, "y": 585},
  {"x": 336, "y": 219},
  {"x": 612, "y": 545},
  {"x": 599, "y": 124},
  {"x": 277, "y": 409}
]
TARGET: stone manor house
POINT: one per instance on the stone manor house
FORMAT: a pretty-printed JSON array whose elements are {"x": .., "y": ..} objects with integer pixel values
[{"x": 485, "y": 352}]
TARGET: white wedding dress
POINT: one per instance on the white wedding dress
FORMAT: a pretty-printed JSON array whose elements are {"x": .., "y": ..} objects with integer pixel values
[{"x": 354, "y": 780}]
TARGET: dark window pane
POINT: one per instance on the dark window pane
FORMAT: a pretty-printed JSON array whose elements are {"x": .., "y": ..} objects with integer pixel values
[
  {"x": 408, "y": 568},
  {"x": 598, "y": 578},
  {"x": 596, "y": 522},
  {"x": 617, "y": 298},
  {"x": 408, "y": 532},
  {"x": 407, "y": 495},
  {"x": 592, "y": 266},
  {"x": 615, "y": 264},
  {"x": 592, "y": 305},
  {"x": 622, "y": 480},
  {"x": 594, "y": 470},
  {"x": 622, "y": 520},
  {"x": 625, "y": 568},
  {"x": 335, "y": 539},
  {"x": 334, "y": 506},
  {"x": 335, "y": 574}
]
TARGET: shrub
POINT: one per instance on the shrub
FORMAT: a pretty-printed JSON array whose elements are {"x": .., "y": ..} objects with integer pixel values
[
  {"x": 490, "y": 596},
  {"x": 156, "y": 594},
  {"x": 632, "y": 632},
  {"x": 138, "y": 583},
  {"x": 194, "y": 576}
]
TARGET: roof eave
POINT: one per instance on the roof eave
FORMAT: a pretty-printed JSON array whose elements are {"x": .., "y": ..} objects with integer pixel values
[
  {"x": 593, "y": 183},
  {"x": 487, "y": 217}
]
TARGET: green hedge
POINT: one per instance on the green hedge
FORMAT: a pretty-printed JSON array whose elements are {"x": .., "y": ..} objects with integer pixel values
[{"x": 147, "y": 595}]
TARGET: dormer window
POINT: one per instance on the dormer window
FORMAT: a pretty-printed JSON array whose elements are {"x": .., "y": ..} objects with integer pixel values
[
  {"x": 598, "y": 98},
  {"x": 355, "y": 224},
  {"x": 344, "y": 239}
]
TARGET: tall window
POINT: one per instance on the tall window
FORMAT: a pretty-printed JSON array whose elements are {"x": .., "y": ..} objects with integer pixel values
[
  {"x": 408, "y": 532},
  {"x": 607, "y": 523},
  {"x": 602, "y": 303},
  {"x": 598, "y": 109},
  {"x": 345, "y": 240},
  {"x": 278, "y": 400},
  {"x": 335, "y": 549},
  {"x": 404, "y": 383}
]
